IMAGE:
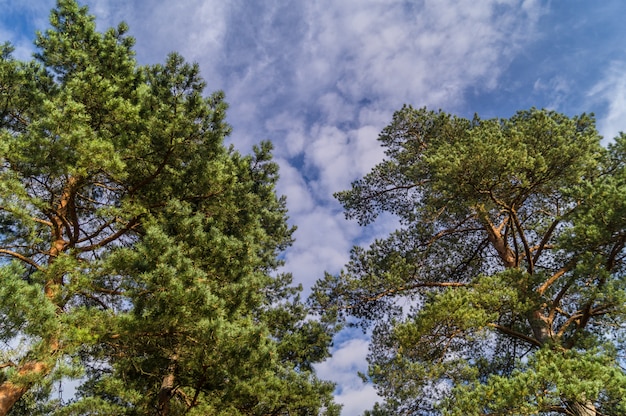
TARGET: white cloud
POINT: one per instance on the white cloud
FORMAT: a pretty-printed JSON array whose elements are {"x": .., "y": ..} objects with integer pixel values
[
  {"x": 25, "y": 15},
  {"x": 556, "y": 90},
  {"x": 427, "y": 51},
  {"x": 323, "y": 242},
  {"x": 356, "y": 401},
  {"x": 335, "y": 109},
  {"x": 348, "y": 359},
  {"x": 340, "y": 156},
  {"x": 612, "y": 91},
  {"x": 294, "y": 186},
  {"x": 193, "y": 28},
  {"x": 291, "y": 128}
]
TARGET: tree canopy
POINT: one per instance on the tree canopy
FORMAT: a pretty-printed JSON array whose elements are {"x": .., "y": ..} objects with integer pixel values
[
  {"x": 503, "y": 289},
  {"x": 138, "y": 254}
]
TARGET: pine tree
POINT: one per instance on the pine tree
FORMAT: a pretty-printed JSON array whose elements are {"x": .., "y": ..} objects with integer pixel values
[
  {"x": 139, "y": 253},
  {"x": 503, "y": 290}
]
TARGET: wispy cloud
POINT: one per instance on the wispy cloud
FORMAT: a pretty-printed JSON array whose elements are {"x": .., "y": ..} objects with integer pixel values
[
  {"x": 23, "y": 18},
  {"x": 343, "y": 367},
  {"x": 611, "y": 92},
  {"x": 194, "y": 28}
]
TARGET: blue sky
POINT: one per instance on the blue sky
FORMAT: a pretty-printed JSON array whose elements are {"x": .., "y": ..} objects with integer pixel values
[{"x": 321, "y": 78}]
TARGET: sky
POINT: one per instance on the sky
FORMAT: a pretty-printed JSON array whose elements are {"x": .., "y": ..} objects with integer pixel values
[{"x": 322, "y": 78}]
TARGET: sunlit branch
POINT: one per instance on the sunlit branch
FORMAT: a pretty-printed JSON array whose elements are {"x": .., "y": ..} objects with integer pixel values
[
  {"x": 40, "y": 221},
  {"x": 494, "y": 199},
  {"x": 20, "y": 257},
  {"x": 515, "y": 245},
  {"x": 581, "y": 318},
  {"x": 495, "y": 238},
  {"x": 541, "y": 289}
]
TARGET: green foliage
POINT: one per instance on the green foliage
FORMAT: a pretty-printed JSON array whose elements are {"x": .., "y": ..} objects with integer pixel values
[
  {"x": 511, "y": 251},
  {"x": 139, "y": 254},
  {"x": 547, "y": 382}
]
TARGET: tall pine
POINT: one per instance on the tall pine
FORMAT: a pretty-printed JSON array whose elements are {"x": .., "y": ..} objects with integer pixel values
[
  {"x": 503, "y": 289},
  {"x": 139, "y": 255}
]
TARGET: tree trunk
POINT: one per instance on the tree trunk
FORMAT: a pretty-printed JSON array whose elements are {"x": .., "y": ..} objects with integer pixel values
[
  {"x": 9, "y": 395},
  {"x": 167, "y": 388},
  {"x": 165, "y": 394},
  {"x": 586, "y": 408},
  {"x": 11, "y": 392},
  {"x": 540, "y": 326},
  {"x": 508, "y": 257}
]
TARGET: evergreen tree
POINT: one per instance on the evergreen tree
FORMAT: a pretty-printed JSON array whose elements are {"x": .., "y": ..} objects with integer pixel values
[
  {"x": 503, "y": 290},
  {"x": 138, "y": 253}
]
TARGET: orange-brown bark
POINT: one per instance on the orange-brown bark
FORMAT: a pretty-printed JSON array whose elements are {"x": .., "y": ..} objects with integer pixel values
[
  {"x": 11, "y": 392},
  {"x": 61, "y": 231}
]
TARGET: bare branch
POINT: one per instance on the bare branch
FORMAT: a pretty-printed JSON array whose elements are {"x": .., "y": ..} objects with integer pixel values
[
  {"x": 515, "y": 334},
  {"x": 394, "y": 291},
  {"x": 40, "y": 221},
  {"x": 131, "y": 224},
  {"x": 97, "y": 231},
  {"x": 378, "y": 194},
  {"x": 520, "y": 231},
  {"x": 545, "y": 239},
  {"x": 454, "y": 230}
]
